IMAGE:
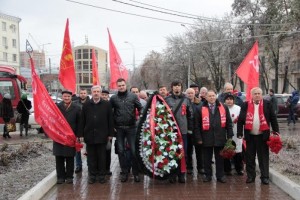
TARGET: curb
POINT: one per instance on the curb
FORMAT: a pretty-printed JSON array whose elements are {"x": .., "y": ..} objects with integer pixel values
[
  {"x": 284, "y": 183},
  {"x": 40, "y": 189}
]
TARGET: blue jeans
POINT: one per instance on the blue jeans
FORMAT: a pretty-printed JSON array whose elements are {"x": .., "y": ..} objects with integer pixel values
[
  {"x": 78, "y": 160},
  {"x": 130, "y": 135},
  {"x": 292, "y": 114}
]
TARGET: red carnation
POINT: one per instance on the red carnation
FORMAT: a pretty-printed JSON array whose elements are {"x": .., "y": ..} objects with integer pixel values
[
  {"x": 275, "y": 143},
  {"x": 159, "y": 153},
  {"x": 168, "y": 149},
  {"x": 145, "y": 143},
  {"x": 160, "y": 165},
  {"x": 166, "y": 161}
]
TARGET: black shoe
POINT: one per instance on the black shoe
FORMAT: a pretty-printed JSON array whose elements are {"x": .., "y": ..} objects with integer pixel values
[
  {"x": 136, "y": 178},
  {"x": 228, "y": 173},
  {"x": 78, "y": 169},
  {"x": 265, "y": 181},
  {"x": 201, "y": 171},
  {"x": 69, "y": 181},
  {"x": 109, "y": 173},
  {"x": 8, "y": 135},
  {"x": 124, "y": 178},
  {"x": 172, "y": 179},
  {"x": 60, "y": 181},
  {"x": 4, "y": 135},
  {"x": 221, "y": 180},
  {"x": 181, "y": 178},
  {"x": 207, "y": 179},
  {"x": 21, "y": 134},
  {"x": 250, "y": 180},
  {"x": 102, "y": 179},
  {"x": 92, "y": 180},
  {"x": 240, "y": 173}
]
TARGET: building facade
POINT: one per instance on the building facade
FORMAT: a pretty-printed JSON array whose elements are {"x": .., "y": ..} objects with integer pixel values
[
  {"x": 38, "y": 57},
  {"x": 83, "y": 66},
  {"x": 9, "y": 41}
]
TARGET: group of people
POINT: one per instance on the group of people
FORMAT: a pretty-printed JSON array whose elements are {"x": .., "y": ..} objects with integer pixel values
[
  {"x": 205, "y": 122},
  {"x": 7, "y": 113}
]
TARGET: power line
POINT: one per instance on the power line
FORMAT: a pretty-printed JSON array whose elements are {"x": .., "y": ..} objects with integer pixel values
[{"x": 127, "y": 13}]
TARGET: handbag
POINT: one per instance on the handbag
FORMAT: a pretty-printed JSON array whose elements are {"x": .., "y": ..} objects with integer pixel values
[
  {"x": 18, "y": 118},
  {"x": 11, "y": 127}
]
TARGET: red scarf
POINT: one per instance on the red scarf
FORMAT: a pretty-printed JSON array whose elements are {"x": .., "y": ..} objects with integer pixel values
[
  {"x": 250, "y": 115},
  {"x": 205, "y": 117}
]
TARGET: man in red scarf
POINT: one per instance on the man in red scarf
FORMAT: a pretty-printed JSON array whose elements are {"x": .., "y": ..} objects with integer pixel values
[
  {"x": 254, "y": 120},
  {"x": 213, "y": 127}
]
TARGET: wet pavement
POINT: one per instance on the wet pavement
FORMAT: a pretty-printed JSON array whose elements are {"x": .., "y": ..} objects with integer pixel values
[{"x": 148, "y": 188}]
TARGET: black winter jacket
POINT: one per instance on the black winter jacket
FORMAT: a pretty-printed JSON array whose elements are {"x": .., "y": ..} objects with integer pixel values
[
  {"x": 269, "y": 115},
  {"x": 124, "y": 108},
  {"x": 72, "y": 115},
  {"x": 96, "y": 122},
  {"x": 216, "y": 135}
]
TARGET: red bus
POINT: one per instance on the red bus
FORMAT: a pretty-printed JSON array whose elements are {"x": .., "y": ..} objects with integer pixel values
[{"x": 12, "y": 84}]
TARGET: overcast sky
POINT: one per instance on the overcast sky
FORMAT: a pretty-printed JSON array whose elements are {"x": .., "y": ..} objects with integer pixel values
[{"x": 45, "y": 20}]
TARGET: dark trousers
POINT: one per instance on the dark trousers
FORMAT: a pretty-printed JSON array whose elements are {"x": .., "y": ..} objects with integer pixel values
[
  {"x": 96, "y": 159},
  {"x": 198, "y": 152},
  {"x": 219, "y": 161},
  {"x": 64, "y": 167},
  {"x": 291, "y": 114},
  {"x": 238, "y": 163},
  {"x": 108, "y": 159},
  {"x": 78, "y": 159},
  {"x": 130, "y": 135},
  {"x": 256, "y": 145}
]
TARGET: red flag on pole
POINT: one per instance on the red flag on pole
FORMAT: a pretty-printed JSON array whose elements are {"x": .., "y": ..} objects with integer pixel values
[
  {"x": 117, "y": 69},
  {"x": 96, "y": 80},
  {"x": 67, "y": 70},
  {"x": 47, "y": 114},
  {"x": 248, "y": 70}
]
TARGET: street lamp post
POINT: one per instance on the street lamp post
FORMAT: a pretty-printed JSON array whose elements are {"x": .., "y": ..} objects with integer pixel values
[{"x": 133, "y": 54}]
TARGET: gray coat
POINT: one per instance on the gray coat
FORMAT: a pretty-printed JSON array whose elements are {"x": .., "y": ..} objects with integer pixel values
[
  {"x": 185, "y": 122},
  {"x": 72, "y": 115}
]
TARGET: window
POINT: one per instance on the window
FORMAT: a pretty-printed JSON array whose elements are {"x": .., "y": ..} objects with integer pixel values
[
  {"x": 4, "y": 42},
  {"x": 78, "y": 54},
  {"x": 3, "y": 26},
  {"x": 298, "y": 82},
  {"x": 85, "y": 78},
  {"x": 13, "y": 28},
  {"x": 85, "y": 53},
  {"x": 7, "y": 87},
  {"x": 14, "y": 57},
  {"x": 78, "y": 65},
  {"x": 14, "y": 43},
  {"x": 4, "y": 56},
  {"x": 85, "y": 66}
]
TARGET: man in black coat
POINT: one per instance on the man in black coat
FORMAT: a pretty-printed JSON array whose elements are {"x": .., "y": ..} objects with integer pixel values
[
  {"x": 65, "y": 154},
  {"x": 124, "y": 105},
  {"x": 213, "y": 127},
  {"x": 23, "y": 107},
  {"x": 97, "y": 130},
  {"x": 254, "y": 120}
]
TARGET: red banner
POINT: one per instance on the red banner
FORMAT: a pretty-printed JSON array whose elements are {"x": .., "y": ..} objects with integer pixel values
[
  {"x": 67, "y": 75},
  {"x": 248, "y": 70},
  {"x": 47, "y": 114},
  {"x": 117, "y": 68},
  {"x": 96, "y": 80}
]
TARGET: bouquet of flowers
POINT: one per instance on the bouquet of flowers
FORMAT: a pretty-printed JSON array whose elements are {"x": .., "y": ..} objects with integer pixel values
[
  {"x": 275, "y": 142},
  {"x": 229, "y": 149},
  {"x": 160, "y": 144}
]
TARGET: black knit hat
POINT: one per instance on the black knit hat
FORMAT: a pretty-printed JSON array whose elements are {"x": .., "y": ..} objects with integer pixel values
[
  {"x": 66, "y": 91},
  {"x": 105, "y": 91}
]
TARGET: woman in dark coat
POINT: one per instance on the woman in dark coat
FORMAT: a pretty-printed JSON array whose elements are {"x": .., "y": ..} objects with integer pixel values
[
  {"x": 23, "y": 108},
  {"x": 65, "y": 154},
  {"x": 7, "y": 113}
]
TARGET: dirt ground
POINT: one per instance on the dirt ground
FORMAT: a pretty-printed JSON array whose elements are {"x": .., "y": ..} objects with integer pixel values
[{"x": 22, "y": 166}]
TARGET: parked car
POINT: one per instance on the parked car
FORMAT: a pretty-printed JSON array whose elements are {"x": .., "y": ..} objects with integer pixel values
[
  {"x": 31, "y": 122},
  {"x": 283, "y": 110}
]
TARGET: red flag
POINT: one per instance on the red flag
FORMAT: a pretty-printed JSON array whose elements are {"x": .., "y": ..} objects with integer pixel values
[
  {"x": 96, "y": 80},
  {"x": 117, "y": 69},
  {"x": 67, "y": 70},
  {"x": 47, "y": 114},
  {"x": 248, "y": 70}
]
